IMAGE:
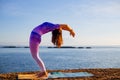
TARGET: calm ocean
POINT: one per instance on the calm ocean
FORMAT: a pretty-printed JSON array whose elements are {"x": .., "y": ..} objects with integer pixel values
[{"x": 20, "y": 60}]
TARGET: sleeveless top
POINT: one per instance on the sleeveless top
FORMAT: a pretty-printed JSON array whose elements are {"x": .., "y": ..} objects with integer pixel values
[{"x": 45, "y": 28}]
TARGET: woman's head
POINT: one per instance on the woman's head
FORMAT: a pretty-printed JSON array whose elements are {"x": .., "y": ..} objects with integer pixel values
[{"x": 57, "y": 37}]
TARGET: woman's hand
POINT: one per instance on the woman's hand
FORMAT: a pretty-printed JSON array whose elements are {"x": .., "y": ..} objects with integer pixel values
[{"x": 72, "y": 33}]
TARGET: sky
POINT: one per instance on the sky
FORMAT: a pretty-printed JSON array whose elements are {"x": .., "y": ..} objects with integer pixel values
[{"x": 95, "y": 22}]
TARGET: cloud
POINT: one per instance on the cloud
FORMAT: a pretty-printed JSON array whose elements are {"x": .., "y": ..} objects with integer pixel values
[
  {"x": 10, "y": 8},
  {"x": 105, "y": 8},
  {"x": 13, "y": 9}
]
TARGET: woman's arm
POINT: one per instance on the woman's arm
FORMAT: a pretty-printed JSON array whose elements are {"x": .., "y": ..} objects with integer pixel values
[{"x": 67, "y": 28}]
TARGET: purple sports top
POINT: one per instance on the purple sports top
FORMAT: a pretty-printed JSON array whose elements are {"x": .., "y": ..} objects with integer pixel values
[{"x": 45, "y": 27}]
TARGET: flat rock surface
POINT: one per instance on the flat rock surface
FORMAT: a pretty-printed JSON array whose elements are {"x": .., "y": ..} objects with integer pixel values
[{"x": 98, "y": 74}]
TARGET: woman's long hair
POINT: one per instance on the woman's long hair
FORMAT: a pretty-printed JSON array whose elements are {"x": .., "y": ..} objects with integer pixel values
[{"x": 57, "y": 37}]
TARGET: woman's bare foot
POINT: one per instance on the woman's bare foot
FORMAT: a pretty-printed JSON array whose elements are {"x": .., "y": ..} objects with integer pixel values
[{"x": 42, "y": 75}]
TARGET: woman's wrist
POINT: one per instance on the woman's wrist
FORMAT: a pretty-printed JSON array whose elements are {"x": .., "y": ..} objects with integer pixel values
[{"x": 71, "y": 30}]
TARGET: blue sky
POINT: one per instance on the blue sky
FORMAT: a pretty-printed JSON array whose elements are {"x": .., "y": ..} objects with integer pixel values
[{"x": 96, "y": 22}]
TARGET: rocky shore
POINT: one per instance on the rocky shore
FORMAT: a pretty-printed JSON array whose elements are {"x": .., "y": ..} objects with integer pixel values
[{"x": 99, "y": 74}]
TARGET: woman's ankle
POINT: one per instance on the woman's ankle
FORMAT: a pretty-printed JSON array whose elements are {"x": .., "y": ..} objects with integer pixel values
[
  {"x": 41, "y": 74},
  {"x": 45, "y": 73}
]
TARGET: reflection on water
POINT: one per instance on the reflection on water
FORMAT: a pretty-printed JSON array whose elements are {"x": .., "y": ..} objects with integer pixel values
[{"x": 76, "y": 74}]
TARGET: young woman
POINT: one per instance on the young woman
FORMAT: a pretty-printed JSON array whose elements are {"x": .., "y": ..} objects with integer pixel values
[{"x": 35, "y": 39}]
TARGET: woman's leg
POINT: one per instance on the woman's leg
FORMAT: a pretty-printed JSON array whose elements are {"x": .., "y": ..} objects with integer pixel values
[{"x": 34, "y": 48}]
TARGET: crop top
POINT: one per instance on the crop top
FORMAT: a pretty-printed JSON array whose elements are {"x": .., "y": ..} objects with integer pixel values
[{"x": 45, "y": 28}]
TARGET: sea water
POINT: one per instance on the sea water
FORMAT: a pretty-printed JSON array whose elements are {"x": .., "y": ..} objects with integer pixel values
[{"x": 20, "y": 59}]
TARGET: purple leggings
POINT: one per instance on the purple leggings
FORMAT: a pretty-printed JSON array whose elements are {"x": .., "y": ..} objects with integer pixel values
[{"x": 35, "y": 40}]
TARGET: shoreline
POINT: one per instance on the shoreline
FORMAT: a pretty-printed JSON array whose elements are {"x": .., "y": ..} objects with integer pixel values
[
  {"x": 80, "y": 47},
  {"x": 99, "y": 74},
  {"x": 73, "y": 47}
]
